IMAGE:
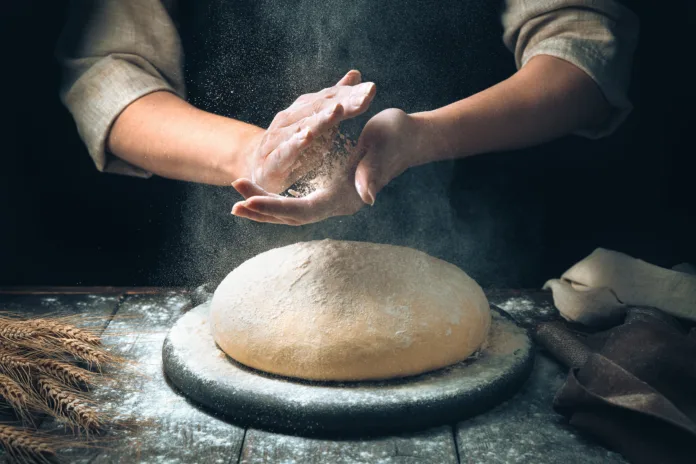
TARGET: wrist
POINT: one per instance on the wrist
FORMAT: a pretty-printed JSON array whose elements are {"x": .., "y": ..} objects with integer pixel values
[
  {"x": 433, "y": 138},
  {"x": 421, "y": 145},
  {"x": 235, "y": 161},
  {"x": 448, "y": 132}
]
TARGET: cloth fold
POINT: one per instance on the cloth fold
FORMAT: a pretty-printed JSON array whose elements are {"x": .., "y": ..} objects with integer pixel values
[
  {"x": 633, "y": 387},
  {"x": 597, "y": 290}
]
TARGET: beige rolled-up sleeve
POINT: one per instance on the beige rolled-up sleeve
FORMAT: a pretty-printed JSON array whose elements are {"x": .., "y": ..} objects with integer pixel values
[
  {"x": 113, "y": 52},
  {"x": 597, "y": 36}
]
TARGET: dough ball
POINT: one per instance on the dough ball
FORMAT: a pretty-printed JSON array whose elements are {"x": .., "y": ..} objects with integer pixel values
[{"x": 340, "y": 310}]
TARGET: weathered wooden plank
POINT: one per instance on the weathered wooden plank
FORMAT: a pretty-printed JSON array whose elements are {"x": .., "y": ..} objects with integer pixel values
[
  {"x": 525, "y": 429},
  {"x": 168, "y": 428},
  {"x": 431, "y": 446},
  {"x": 93, "y": 310},
  {"x": 102, "y": 290}
]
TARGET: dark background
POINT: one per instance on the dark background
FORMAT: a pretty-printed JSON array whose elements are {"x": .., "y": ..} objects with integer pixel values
[{"x": 63, "y": 223}]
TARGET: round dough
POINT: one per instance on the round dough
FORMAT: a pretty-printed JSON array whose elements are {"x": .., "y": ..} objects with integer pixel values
[{"x": 339, "y": 310}]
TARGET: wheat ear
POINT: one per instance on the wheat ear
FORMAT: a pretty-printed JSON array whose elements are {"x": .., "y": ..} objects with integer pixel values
[
  {"x": 66, "y": 373},
  {"x": 24, "y": 446},
  {"x": 14, "y": 330},
  {"x": 92, "y": 355},
  {"x": 67, "y": 405},
  {"x": 61, "y": 330},
  {"x": 16, "y": 366},
  {"x": 17, "y": 397}
]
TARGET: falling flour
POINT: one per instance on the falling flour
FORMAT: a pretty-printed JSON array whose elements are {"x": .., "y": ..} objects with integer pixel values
[{"x": 323, "y": 162}]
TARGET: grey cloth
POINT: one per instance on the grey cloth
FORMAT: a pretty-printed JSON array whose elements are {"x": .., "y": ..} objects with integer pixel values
[{"x": 116, "y": 51}]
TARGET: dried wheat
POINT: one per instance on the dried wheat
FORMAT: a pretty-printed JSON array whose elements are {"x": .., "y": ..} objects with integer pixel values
[
  {"x": 11, "y": 330},
  {"x": 16, "y": 366},
  {"x": 86, "y": 352},
  {"x": 24, "y": 446},
  {"x": 17, "y": 397},
  {"x": 67, "y": 373},
  {"x": 67, "y": 405},
  {"x": 61, "y": 330}
]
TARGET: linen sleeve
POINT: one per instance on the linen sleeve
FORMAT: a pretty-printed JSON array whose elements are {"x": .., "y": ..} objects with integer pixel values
[
  {"x": 597, "y": 36},
  {"x": 113, "y": 52}
]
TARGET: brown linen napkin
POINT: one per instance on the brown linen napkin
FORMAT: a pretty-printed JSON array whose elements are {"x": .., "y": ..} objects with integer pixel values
[{"x": 633, "y": 387}]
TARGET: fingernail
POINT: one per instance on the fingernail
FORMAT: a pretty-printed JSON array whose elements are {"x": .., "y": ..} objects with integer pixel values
[
  {"x": 365, "y": 196},
  {"x": 370, "y": 89},
  {"x": 370, "y": 193},
  {"x": 238, "y": 205},
  {"x": 359, "y": 188}
]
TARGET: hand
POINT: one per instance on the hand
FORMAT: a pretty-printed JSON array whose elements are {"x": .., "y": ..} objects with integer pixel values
[
  {"x": 339, "y": 198},
  {"x": 390, "y": 143},
  {"x": 277, "y": 162}
]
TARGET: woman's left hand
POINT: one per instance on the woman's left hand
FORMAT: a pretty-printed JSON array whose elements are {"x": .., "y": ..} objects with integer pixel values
[{"x": 339, "y": 199}]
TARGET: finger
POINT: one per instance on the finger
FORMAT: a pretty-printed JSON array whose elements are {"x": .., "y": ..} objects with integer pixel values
[
  {"x": 247, "y": 188},
  {"x": 241, "y": 211},
  {"x": 367, "y": 176},
  {"x": 297, "y": 209},
  {"x": 355, "y": 100},
  {"x": 353, "y": 77},
  {"x": 285, "y": 156},
  {"x": 281, "y": 160},
  {"x": 360, "y": 98}
]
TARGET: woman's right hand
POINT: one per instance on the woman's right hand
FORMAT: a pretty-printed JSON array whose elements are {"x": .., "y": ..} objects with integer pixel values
[{"x": 279, "y": 159}]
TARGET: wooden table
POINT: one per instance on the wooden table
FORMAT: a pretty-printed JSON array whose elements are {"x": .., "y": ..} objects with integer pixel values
[{"x": 171, "y": 429}]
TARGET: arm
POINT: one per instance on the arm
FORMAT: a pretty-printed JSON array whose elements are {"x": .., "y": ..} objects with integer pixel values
[
  {"x": 123, "y": 83},
  {"x": 574, "y": 59},
  {"x": 546, "y": 99},
  {"x": 112, "y": 53},
  {"x": 163, "y": 134}
]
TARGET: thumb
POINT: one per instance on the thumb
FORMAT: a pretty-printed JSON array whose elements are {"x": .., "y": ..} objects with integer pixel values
[{"x": 368, "y": 175}]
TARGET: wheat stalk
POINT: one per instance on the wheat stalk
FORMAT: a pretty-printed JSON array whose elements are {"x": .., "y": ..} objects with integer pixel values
[
  {"x": 68, "y": 405},
  {"x": 11, "y": 330},
  {"x": 17, "y": 397},
  {"x": 16, "y": 366},
  {"x": 24, "y": 446},
  {"x": 64, "y": 372},
  {"x": 86, "y": 352},
  {"x": 38, "y": 373},
  {"x": 60, "y": 330}
]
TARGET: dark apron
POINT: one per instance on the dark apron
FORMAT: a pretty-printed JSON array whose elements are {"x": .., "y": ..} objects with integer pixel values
[{"x": 250, "y": 59}]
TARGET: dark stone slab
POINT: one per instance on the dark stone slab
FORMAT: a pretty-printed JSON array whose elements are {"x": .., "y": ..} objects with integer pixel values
[{"x": 199, "y": 369}]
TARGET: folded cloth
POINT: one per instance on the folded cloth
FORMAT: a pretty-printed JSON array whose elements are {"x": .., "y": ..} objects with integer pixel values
[
  {"x": 633, "y": 387},
  {"x": 597, "y": 290}
]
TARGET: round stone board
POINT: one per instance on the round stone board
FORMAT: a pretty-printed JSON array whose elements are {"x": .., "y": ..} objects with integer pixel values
[{"x": 200, "y": 370}]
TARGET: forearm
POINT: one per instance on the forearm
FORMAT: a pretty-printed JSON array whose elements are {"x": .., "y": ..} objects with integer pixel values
[
  {"x": 546, "y": 99},
  {"x": 165, "y": 135}
]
